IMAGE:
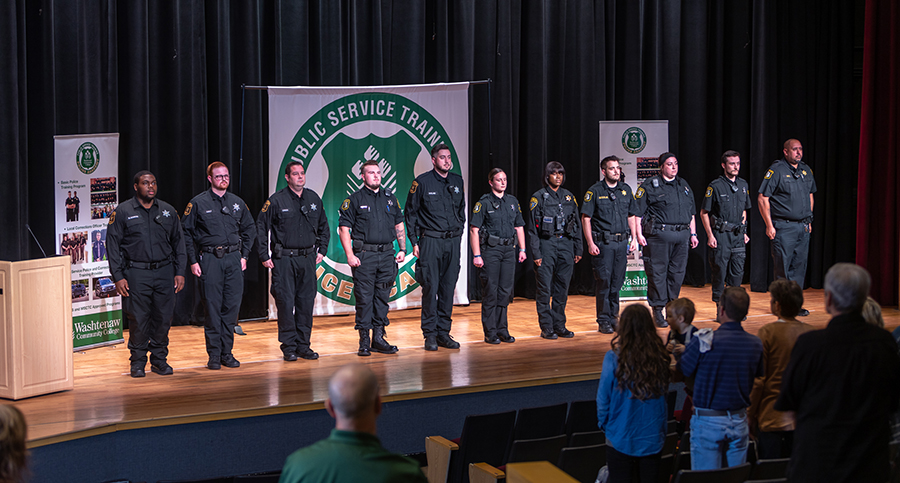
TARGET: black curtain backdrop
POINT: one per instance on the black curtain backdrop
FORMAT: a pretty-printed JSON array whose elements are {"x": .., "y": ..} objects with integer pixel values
[{"x": 742, "y": 75}]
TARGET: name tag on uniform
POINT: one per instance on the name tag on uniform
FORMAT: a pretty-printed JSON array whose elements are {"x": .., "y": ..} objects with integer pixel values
[
  {"x": 133, "y": 217},
  {"x": 432, "y": 192},
  {"x": 548, "y": 219},
  {"x": 364, "y": 207},
  {"x": 209, "y": 211},
  {"x": 285, "y": 210}
]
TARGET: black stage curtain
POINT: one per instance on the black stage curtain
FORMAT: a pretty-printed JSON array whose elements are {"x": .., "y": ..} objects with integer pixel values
[{"x": 742, "y": 75}]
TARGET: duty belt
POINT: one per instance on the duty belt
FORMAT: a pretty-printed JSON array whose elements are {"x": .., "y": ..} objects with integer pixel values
[
  {"x": 441, "y": 234},
  {"x": 805, "y": 221},
  {"x": 726, "y": 227},
  {"x": 223, "y": 249},
  {"x": 371, "y": 247},
  {"x": 605, "y": 236},
  {"x": 148, "y": 265},
  {"x": 670, "y": 227},
  {"x": 297, "y": 252},
  {"x": 555, "y": 235}
]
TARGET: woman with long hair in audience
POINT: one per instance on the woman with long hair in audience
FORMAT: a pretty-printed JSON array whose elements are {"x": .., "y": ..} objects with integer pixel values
[
  {"x": 13, "y": 456},
  {"x": 631, "y": 403}
]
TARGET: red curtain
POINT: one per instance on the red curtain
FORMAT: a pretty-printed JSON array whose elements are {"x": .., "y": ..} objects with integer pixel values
[{"x": 878, "y": 233}]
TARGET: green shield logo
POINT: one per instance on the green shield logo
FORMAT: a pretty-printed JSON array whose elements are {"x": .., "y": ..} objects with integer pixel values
[{"x": 87, "y": 158}]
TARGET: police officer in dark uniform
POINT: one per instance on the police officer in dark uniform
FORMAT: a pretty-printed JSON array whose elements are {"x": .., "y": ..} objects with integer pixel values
[
  {"x": 436, "y": 216},
  {"x": 70, "y": 207},
  {"x": 145, "y": 248},
  {"x": 724, "y": 216},
  {"x": 77, "y": 206},
  {"x": 497, "y": 227},
  {"x": 370, "y": 221},
  {"x": 786, "y": 205},
  {"x": 665, "y": 228},
  {"x": 554, "y": 233},
  {"x": 219, "y": 233},
  {"x": 607, "y": 217},
  {"x": 299, "y": 241}
]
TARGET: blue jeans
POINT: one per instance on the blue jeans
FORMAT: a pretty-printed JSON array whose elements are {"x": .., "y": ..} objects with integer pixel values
[{"x": 719, "y": 441}]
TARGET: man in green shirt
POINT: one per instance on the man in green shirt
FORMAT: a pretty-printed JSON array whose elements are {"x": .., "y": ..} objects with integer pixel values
[{"x": 352, "y": 453}]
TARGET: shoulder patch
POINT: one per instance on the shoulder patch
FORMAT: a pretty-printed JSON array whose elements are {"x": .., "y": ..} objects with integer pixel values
[
  {"x": 769, "y": 174},
  {"x": 266, "y": 206},
  {"x": 412, "y": 189},
  {"x": 248, "y": 208},
  {"x": 588, "y": 195},
  {"x": 187, "y": 211},
  {"x": 533, "y": 202},
  {"x": 345, "y": 205},
  {"x": 112, "y": 218},
  {"x": 709, "y": 191},
  {"x": 640, "y": 193},
  {"x": 477, "y": 207}
]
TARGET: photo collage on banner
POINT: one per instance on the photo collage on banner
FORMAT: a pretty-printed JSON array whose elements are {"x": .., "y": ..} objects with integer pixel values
[
  {"x": 638, "y": 144},
  {"x": 86, "y": 195},
  {"x": 332, "y": 131}
]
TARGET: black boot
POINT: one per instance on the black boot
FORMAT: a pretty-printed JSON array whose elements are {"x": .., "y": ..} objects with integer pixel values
[
  {"x": 381, "y": 345},
  {"x": 364, "y": 343},
  {"x": 658, "y": 318}
]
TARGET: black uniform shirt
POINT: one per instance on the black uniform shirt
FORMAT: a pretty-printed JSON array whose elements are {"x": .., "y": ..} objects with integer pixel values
[
  {"x": 609, "y": 208},
  {"x": 553, "y": 213},
  {"x": 295, "y": 222},
  {"x": 788, "y": 190},
  {"x": 139, "y": 234},
  {"x": 497, "y": 216},
  {"x": 727, "y": 200},
  {"x": 435, "y": 203},
  {"x": 213, "y": 220},
  {"x": 371, "y": 216},
  {"x": 669, "y": 202}
]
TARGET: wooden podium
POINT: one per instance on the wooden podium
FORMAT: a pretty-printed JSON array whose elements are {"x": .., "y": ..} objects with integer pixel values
[{"x": 35, "y": 327}]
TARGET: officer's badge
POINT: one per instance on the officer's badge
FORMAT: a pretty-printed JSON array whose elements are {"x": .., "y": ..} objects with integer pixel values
[
  {"x": 587, "y": 196},
  {"x": 456, "y": 189},
  {"x": 477, "y": 207},
  {"x": 236, "y": 207},
  {"x": 804, "y": 172},
  {"x": 165, "y": 213},
  {"x": 624, "y": 192},
  {"x": 533, "y": 202},
  {"x": 412, "y": 189},
  {"x": 709, "y": 191},
  {"x": 640, "y": 193},
  {"x": 656, "y": 182},
  {"x": 390, "y": 202},
  {"x": 266, "y": 206},
  {"x": 187, "y": 211},
  {"x": 769, "y": 174},
  {"x": 112, "y": 217},
  {"x": 313, "y": 207},
  {"x": 345, "y": 205}
]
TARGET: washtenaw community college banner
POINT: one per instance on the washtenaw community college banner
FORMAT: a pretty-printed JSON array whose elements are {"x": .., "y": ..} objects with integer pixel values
[
  {"x": 639, "y": 144},
  {"x": 332, "y": 131},
  {"x": 86, "y": 195}
]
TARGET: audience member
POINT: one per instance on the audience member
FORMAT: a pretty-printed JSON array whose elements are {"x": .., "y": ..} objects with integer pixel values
[
  {"x": 843, "y": 382},
  {"x": 723, "y": 364},
  {"x": 775, "y": 433},
  {"x": 352, "y": 453},
  {"x": 679, "y": 315},
  {"x": 631, "y": 405},
  {"x": 871, "y": 311},
  {"x": 13, "y": 456}
]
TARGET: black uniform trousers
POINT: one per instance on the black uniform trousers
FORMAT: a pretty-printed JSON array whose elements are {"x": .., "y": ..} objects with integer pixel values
[
  {"x": 497, "y": 280},
  {"x": 553, "y": 277},
  {"x": 437, "y": 270},
  {"x": 790, "y": 250},
  {"x": 149, "y": 308},
  {"x": 726, "y": 262},
  {"x": 372, "y": 282},
  {"x": 609, "y": 275},
  {"x": 665, "y": 261},
  {"x": 294, "y": 290},
  {"x": 222, "y": 282}
]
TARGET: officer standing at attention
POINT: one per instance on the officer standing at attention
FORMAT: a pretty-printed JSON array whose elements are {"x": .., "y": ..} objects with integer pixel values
[
  {"x": 607, "y": 217},
  {"x": 145, "y": 247},
  {"x": 219, "y": 232},
  {"x": 786, "y": 205},
  {"x": 665, "y": 227},
  {"x": 497, "y": 227},
  {"x": 555, "y": 237},
  {"x": 436, "y": 216},
  {"x": 724, "y": 216},
  {"x": 370, "y": 221},
  {"x": 299, "y": 241}
]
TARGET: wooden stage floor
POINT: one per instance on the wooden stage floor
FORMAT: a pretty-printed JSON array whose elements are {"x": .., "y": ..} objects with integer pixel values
[{"x": 106, "y": 399}]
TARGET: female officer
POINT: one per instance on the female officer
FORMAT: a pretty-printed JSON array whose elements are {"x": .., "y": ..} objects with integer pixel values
[{"x": 497, "y": 227}]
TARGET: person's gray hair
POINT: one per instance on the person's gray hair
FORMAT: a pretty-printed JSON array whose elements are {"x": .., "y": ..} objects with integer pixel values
[{"x": 848, "y": 285}]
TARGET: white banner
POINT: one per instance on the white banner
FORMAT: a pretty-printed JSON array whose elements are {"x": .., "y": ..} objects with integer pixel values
[
  {"x": 639, "y": 144},
  {"x": 333, "y": 130},
  {"x": 86, "y": 195}
]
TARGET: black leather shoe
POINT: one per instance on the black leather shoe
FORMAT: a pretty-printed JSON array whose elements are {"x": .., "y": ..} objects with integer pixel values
[
  {"x": 364, "y": 343},
  {"x": 290, "y": 356},
  {"x": 565, "y": 333},
  {"x": 506, "y": 338},
  {"x": 492, "y": 340},
  {"x": 549, "y": 335},
  {"x": 446, "y": 341},
  {"x": 137, "y": 371},
  {"x": 213, "y": 364},
  {"x": 803, "y": 312},
  {"x": 308, "y": 355},
  {"x": 162, "y": 369},
  {"x": 379, "y": 344},
  {"x": 228, "y": 360},
  {"x": 658, "y": 318},
  {"x": 606, "y": 328},
  {"x": 430, "y": 343}
]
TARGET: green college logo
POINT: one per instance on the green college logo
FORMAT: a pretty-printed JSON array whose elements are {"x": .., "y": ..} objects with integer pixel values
[
  {"x": 634, "y": 140},
  {"x": 87, "y": 158},
  {"x": 323, "y": 134}
]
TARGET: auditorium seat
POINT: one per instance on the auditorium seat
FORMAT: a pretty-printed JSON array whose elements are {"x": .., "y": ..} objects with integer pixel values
[
  {"x": 582, "y": 417},
  {"x": 584, "y": 462},
  {"x": 666, "y": 467},
  {"x": 589, "y": 438},
  {"x": 221, "y": 479},
  {"x": 538, "y": 449},
  {"x": 670, "y": 444},
  {"x": 484, "y": 438},
  {"x": 682, "y": 461},
  {"x": 540, "y": 422},
  {"x": 769, "y": 469},
  {"x": 734, "y": 474},
  {"x": 776, "y": 480}
]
